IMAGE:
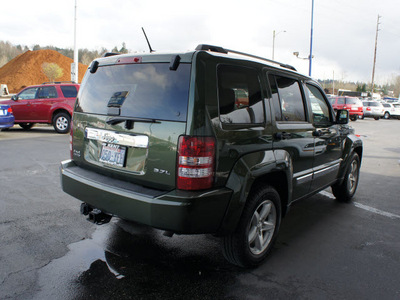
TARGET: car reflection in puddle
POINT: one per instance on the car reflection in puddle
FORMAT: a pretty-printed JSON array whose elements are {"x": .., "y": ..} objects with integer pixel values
[{"x": 128, "y": 261}]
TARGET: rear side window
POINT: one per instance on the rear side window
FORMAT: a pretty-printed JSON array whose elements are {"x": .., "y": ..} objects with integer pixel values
[
  {"x": 340, "y": 100},
  {"x": 47, "y": 92},
  {"x": 69, "y": 91},
  {"x": 291, "y": 102},
  {"x": 140, "y": 90},
  {"x": 239, "y": 95}
]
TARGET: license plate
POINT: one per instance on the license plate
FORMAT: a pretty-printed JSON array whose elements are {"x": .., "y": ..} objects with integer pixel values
[
  {"x": 2, "y": 112},
  {"x": 113, "y": 154}
]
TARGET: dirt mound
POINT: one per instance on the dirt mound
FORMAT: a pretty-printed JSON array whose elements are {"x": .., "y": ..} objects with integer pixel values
[{"x": 26, "y": 69}]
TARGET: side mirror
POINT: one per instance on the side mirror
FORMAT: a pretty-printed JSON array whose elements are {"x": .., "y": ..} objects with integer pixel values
[
  {"x": 14, "y": 98},
  {"x": 342, "y": 116}
]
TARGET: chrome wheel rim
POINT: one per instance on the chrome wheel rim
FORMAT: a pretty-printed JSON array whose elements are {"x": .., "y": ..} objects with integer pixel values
[
  {"x": 62, "y": 123},
  {"x": 353, "y": 176},
  {"x": 262, "y": 227}
]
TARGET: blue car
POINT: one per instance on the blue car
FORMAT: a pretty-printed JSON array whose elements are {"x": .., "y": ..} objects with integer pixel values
[{"x": 6, "y": 116}]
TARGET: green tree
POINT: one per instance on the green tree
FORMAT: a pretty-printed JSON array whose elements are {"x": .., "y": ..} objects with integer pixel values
[
  {"x": 52, "y": 71},
  {"x": 123, "y": 49}
]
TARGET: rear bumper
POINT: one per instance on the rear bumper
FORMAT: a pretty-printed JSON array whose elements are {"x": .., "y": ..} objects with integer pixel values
[
  {"x": 176, "y": 211},
  {"x": 353, "y": 112},
  {"x": 6, "y": 122},
  {"x": 373, "y": 114}
]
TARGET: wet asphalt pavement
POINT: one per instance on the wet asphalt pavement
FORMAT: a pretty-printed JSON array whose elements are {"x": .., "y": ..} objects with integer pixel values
[{"x": 325, "y": 250}]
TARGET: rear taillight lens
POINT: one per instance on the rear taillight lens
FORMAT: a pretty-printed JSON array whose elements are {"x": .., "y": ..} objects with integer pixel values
[
  {"x": 196, "y": 157},
  {"x": 10, "y": 110}
]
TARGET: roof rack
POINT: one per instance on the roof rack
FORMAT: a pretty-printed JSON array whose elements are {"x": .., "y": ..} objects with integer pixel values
[
  {"x": 58, "y": 82},
  {"x": 226, "y": 51}
]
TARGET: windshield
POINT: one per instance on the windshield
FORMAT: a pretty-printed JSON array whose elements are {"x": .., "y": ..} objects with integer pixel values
[{"x": 140, "y": 90}]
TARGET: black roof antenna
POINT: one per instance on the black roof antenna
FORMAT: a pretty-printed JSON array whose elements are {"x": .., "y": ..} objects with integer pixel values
[{"x": 148, "y": 43}]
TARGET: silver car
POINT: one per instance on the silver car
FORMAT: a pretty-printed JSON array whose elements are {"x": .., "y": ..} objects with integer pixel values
[{"x": 373, "y": 109}]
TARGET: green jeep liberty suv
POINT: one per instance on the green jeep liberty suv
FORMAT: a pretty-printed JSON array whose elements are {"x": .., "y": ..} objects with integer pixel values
[{"x": 209, "y": 141}]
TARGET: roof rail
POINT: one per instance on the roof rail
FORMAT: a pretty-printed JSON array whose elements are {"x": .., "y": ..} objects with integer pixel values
[
  {"x": 226, "y": 51},
  {"x": 58, "y": 82}
]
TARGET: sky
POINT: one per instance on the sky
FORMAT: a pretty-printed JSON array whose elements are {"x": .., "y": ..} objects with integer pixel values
[{"x": 343, "y": 33}]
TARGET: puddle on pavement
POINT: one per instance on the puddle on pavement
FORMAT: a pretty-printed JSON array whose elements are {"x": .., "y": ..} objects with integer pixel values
[{"x": 128, "y": 261}]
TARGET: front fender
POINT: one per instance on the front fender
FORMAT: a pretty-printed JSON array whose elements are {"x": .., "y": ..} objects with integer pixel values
[{"x": 246, "y": 171}]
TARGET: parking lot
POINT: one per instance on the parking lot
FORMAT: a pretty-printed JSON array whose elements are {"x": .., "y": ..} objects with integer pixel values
[{"x": 325, "y": 250}]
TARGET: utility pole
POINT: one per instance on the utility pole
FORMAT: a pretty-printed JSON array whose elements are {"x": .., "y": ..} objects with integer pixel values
[{"x": 376, "y": 45}]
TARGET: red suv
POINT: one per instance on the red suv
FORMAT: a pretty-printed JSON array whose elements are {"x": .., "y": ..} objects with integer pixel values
[
  {"x": 352, "y": 104},
  {"x": 50, "y": 103}
]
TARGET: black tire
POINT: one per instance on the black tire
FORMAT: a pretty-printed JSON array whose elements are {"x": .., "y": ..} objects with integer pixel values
[
  {"x": 386, "y": 115},
  {"x": 354, "y": 118},
  {"x": 62, "y": 122},
  {"x": 376, "y": 118},
  {"x": 261, "y": 218},
  {"x": 345, "y": 191},
  {"x": 26, "y": 126}
]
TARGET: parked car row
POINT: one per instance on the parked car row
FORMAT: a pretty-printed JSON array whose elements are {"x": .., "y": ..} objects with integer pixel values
[
  {"x": 365, "y": 109},
  {"x": 49, "y": 103}
]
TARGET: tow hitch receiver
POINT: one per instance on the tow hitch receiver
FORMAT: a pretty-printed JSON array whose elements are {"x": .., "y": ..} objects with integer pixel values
[{"x": 95, "y": 215}]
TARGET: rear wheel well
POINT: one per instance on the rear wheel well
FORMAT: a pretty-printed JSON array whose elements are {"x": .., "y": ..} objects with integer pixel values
[
  {"x": 278, "y": 181},
  {"x": 57, "y": 112}
]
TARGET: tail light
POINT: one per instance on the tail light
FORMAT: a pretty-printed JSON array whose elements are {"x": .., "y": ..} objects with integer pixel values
[
  {"x": 368, "y": 108},
  {"x": 71, "y": 135},
  {"x": 10, "y": 110},
  {"x": 196, "y": 159}
]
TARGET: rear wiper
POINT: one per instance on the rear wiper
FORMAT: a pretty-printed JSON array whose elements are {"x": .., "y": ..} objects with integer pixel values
[{"x": 117, "y": 120}]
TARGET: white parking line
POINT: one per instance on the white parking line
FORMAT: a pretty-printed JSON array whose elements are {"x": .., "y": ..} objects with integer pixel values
[{"x": 365, "y": 207}]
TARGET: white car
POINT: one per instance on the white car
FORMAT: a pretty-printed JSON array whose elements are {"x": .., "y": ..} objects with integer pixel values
[{"x": 391, "y": 111}]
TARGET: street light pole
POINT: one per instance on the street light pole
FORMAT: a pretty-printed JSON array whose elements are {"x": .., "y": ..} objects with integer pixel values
[
  {"x": 273, "y": 42},
  {"x": 75, "y": 65},
  {"x": 311, "y": 38}
]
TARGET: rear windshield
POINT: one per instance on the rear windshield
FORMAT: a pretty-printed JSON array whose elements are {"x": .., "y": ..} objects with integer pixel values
[
  {"x": 140, "y": 90},
  {"x": 353, "y": 101}
]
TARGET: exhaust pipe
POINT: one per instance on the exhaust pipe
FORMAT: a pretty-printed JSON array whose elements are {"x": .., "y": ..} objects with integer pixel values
[{"x": 95, "y": 215}]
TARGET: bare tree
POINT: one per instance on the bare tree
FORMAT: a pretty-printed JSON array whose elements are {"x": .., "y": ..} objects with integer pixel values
[{"x": 52, "y": 71}]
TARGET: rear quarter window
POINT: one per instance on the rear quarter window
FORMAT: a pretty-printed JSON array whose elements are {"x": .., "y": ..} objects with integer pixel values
[{"x": 69, "y": 91}]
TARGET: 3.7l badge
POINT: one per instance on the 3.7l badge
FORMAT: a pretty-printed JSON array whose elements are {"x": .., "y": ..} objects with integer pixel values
[{"x": 161, "y": 171}]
